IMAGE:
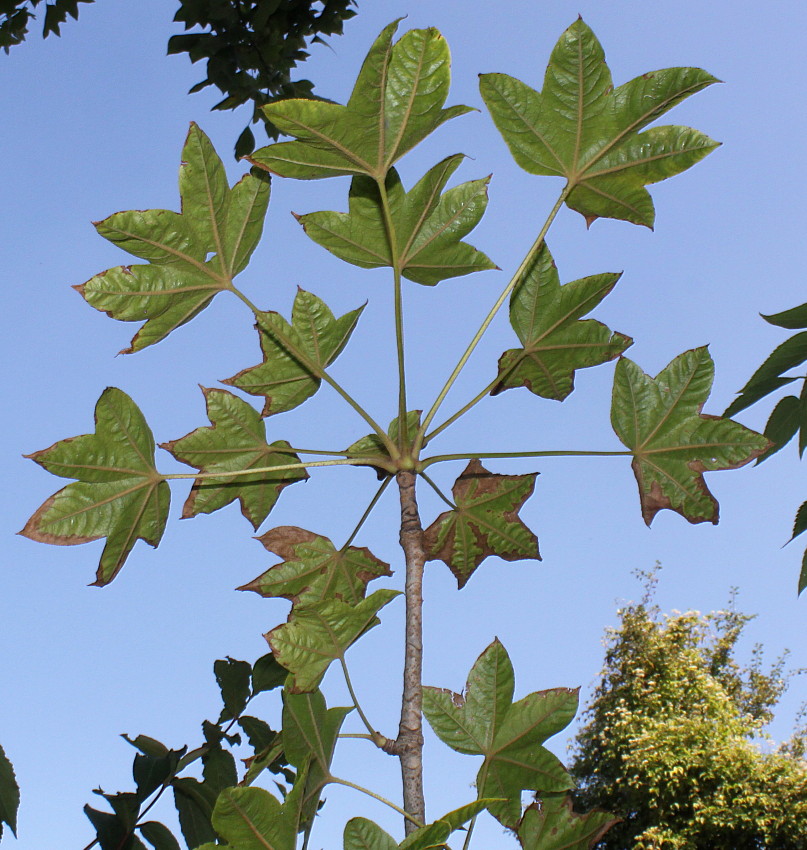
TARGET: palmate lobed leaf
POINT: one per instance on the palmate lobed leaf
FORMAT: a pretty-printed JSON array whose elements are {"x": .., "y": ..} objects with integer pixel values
[
  {"x": 396, "y": 102},
  {"x": 119, "y": 494},
  {"x": 319, "y": 633},
  {"x": 295, "y": 355},
  {"x": 485, "y": 522},
  {"x": 485, "y": 721},
  {"x": 313, "y": 569},
  {"x": 235, "y": 442},
  {"x": 672, "y": 442},
  {"x": 556, "y": 340},
  {"x": 428, "y": 226},
  {"x": 552, "y": 824},
  {"x": 581, "y": 128},
  {"x": 181, "y": 281}
]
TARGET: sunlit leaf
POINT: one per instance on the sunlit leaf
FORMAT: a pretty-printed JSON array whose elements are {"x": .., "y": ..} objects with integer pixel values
[
  {"x": 660, "y": 421},
  {"x": 235, "y": 442},
  {"x": 310, "y": 732},
  {"x": 556, "y": 340},
  {"x": 397, "y": 101},
  {"x": 295, "y": 355},
  {"x": 182, "y": 277},
  {"x": 485, "y": 522},
  {"x": 9, "y": 794},
  {"x": 581, "y": 128},
  {"x": 485, "y": 721},
  {"x": 551, "y": 824},
  {"x": 313, "y": 569},
  {"x": 319, "y": 633},
  {"x": 428, "y": 226},
  {"x": 119, "y": 494},
  {"x": 363, "y": 834}
]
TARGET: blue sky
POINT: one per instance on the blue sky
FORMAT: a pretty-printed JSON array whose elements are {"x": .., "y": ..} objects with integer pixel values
[{"x": 94, "y": 123}]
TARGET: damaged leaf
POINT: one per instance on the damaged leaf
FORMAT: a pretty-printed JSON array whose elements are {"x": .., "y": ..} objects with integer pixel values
[
  {"x": 660, "y": 421},
  {"x": 552, "y": 824},
  {"x": 484, "y": 522}
]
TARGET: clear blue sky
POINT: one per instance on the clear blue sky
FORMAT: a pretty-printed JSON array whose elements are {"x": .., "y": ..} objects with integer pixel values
[{"x": 94, "y": 123}]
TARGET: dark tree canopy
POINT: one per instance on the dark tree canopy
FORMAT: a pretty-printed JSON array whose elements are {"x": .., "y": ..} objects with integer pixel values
[
  {"x": 251, "y": 47},
  {"x": 675, "y": 740}
]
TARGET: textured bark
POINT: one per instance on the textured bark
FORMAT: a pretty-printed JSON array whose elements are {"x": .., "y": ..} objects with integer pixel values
[{"x": 409, "y": 744}]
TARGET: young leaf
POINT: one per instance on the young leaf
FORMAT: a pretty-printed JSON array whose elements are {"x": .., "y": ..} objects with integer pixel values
[
  {"x": 581, "y": 128},
  {"x": 321, "y": 632},
  {"x": 397, "y": 101},
  {"x": 486, "y": 721},
  {"x": 553, "y": 825},
  {"x": 427, "y": 224},
  {"x": 310, "y": 731},
  {"x": 484, "y": 522},
  {"x": 180, "y": 281},
  {"x": 9, "y": 794},
  {"x": 295, "y": 355},
  {"x": 119, "y": 494},
  {"x": 547, "y": 319},
  {"x": 672, "y": 442},
  {"x": 371, "y": 446},
  {"x": 313, "y": 569},
  {"x": 235, "y": 442}
]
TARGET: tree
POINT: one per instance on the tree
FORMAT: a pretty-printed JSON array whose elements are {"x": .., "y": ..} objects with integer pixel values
[
  {"x": 605, "y": 157},
  {"x": 674, "y": 740},
  {"x": 251, "y": 46}
]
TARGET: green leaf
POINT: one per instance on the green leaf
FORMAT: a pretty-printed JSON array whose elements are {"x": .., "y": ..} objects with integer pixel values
[
  {"x": 261, "y": 735},
  {"x": 119, "y": 495},
  {"x": 428, "y": 226},
  {"x": 152, "y": 771},
  {"x": 194, "y": 802},
  {"x": 9, "y": 794},
  {"x": 397, "y": 101},
  {"x": 363, "y": 834},
  {"x": 295, "y": 355},
  {"x": 310, "y": 732},
  {"x": 672, "y": 442},
  {"x": 435, "y": 834},
  {"x": 552, "y": 824},
  {"x": 371, "y": 445},
  {"x": 792, "y": 352},
  {"x": 555, "y": 341},
  {"x": 793, "y": 319},
  {"x": 321, "y": 632},
  {"x": 800, "y": 523},
  {"x": 784, "y": 421},
  {"x": 486, "y": 721},
  {"x": 484, "y": 522},
  {"x": 158, "y": 835},
  {"x": 219, "y": 769},
  {"x": 803, "y": 574},
  {"x": 581, "y": 128},
  {"x": 234, "y": 679},
  {"x": 313, "y": 569},
  {"x": 267, "y": 674},
  {"x": 235, "y": 442},
  {"x": 181, "y": 280}
]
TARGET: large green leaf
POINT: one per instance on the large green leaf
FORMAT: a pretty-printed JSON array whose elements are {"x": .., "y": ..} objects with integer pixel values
[
  {"x": 553, "y": 825},
  {"x": 555, "y": 340},
  {"x": 310, "y": 731},
  {"x": 180, "y": 280},
  {"x": 295, "y": 355},
  {"x": 427, "y": 224},
  {"x": 484, "y": 522},
  {"x": 119, "y": 494},
  {"x": 581, "y": 128},
  {"x": 235, "y": 442},
  {"x": 319, "y": 633},
  {"x": 9, "y": 794},
  {"x": 313, "y": 569},
  {"x": 396, "y": 102},
  {"x": 672, "y": 442},
  {"x": 510, "y": 736}
]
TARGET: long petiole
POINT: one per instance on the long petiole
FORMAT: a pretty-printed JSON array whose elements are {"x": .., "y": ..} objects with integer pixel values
[
  {"x": 438, "y": 491},
  {"x": 467, "y": 843},
  {"x": 525, "y": 263},
  {"x": 378, "y": 739},
  {"x": 320, "y": 373},
  {"x": 462, "y": 411},
  {"x": 560, "y": 453},
  {"x": 367, "y": 512},
  {"x": 237, "y": 473},
  {"x": 337, "y": 781}
]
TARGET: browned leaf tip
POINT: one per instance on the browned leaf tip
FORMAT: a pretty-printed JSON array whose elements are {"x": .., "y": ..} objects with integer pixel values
[{"x": 284, "y": 539}]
